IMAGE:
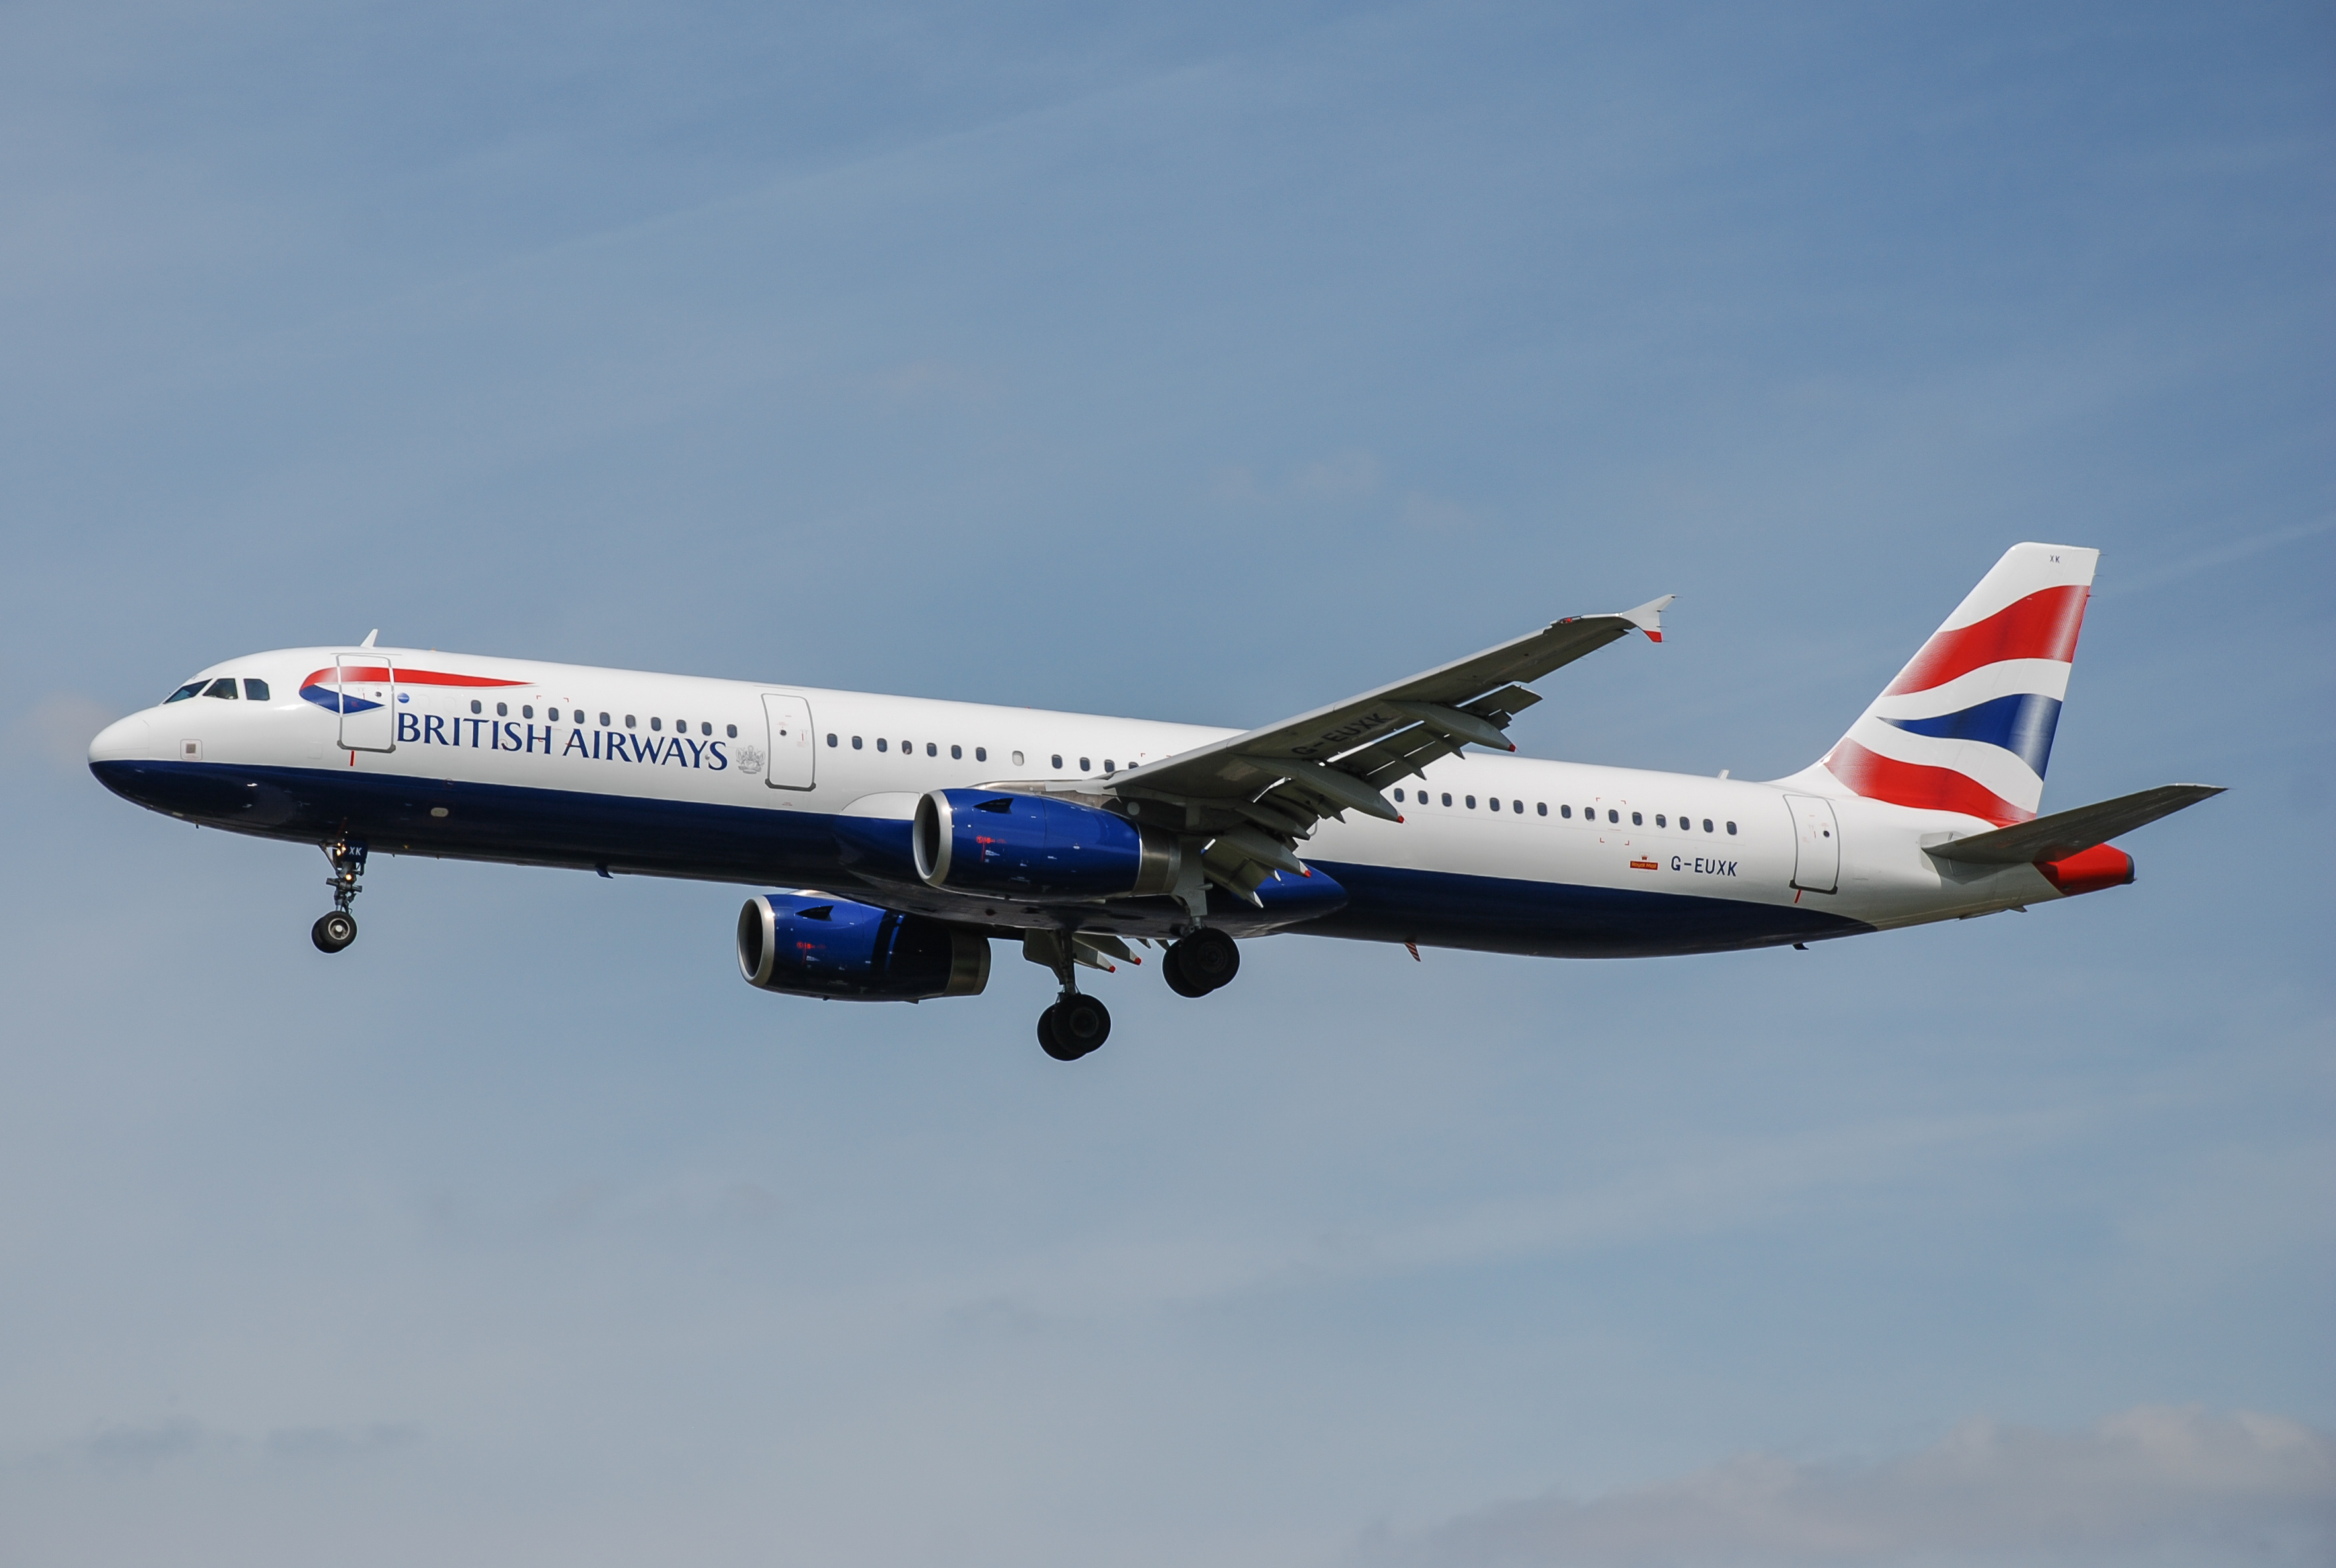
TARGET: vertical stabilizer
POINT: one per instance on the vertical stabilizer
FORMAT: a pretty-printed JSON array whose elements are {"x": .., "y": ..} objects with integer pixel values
[{"x": 1967, "y": 725}]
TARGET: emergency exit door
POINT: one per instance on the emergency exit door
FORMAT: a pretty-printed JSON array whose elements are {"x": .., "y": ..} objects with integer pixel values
[
  {"x": 792, "y": 756},
  {"x": 366, "y": 686},
  {"x": 1816, "y": 845}
]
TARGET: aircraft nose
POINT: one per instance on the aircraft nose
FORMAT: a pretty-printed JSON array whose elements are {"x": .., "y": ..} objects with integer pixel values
[{"x": 124, "y": 740}]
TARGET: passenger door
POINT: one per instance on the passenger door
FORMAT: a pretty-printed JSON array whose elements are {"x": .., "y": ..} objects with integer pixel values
[
  {"x": 792, "y": 756},
  {"x": 366, "y": 685},
  {"x": 1816, "y": 845}
]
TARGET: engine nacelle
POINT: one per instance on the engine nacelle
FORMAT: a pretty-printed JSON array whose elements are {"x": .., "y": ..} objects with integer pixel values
[
  {"x": 817, "y": 947},
  {"x": 1025, "y": 846}
]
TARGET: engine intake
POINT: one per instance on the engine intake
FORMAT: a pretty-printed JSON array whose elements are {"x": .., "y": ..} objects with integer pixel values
[
  {"x": 801, "y": 945},
  {"x": 1023, "y": 847}
]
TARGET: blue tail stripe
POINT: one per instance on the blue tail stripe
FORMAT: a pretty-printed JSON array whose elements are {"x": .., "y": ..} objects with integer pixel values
[{"x": 2021, "y": 723}]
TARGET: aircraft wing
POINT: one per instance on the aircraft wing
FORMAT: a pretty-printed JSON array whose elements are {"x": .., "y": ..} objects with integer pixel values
[
  {"x": 2069, "y": 832},
  {"x": 1283, "y": 778}
]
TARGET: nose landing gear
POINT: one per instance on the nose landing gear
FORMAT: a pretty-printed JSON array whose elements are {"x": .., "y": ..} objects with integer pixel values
[{"x": 334, "y": 931}]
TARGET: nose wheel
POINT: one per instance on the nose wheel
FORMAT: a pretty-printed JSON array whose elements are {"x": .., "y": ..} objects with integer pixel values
[{"x": 334, "y": 931}]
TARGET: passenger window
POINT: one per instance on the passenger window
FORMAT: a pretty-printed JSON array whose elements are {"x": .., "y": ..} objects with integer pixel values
[
  {"x": 1731, "y": 827},
  {"x": 704, "y": 728},
  {"x": 1495, "y": 802},
  {"x": 1518, "y": 807},
  {"x": 184, "y": 692},
  {"x": 734, "y": 735},
  {"x": 981, "y": 754},
  {"x": 551, "y": 714},
  {"x": 956, "y": 752},
  {"x": 223, "y": 686},
  {"x": 1471, "y": 801},
  {"x": 881, "y": 744},
  {"x": 1447, "y": 799},
  {"x": 908, "y": 748},
  {"x": 475, "y": 707},
  {"x": 1542, "y": 806},
  {"x": 1566, "y": 812},
  {"x": 1613, "y": 816},
  {"x": 1706, "y": 824},
  {"x": 1660, "y": 822},
  {"x": 831, "y": 735},
  {"x": 1084, "y": 767},
  {"x": 1398, "y": 797},
  {"x": 604, "y": 721},
  {"x": 855, "y": 743},
  {"x": 1018, "y": 759},
  {"x": 527, "y": 710},
  {"x": 932, "y": 750},
  {"x": 502, "y": 710},
  {"x": 630, "y": 722},
  {"x": 1637, "y": 821},
  {"x": 1110, "y": 767},
  {"x": 1058, "y": 763}
]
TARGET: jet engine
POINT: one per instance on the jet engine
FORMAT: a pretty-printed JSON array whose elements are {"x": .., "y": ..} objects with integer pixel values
[
  {"x": 804, "y": 945},
  {"x": 1024, "y": 846}
]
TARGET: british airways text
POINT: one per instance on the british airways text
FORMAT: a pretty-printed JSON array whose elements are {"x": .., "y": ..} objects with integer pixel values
[{"x": 598, "y": 744}]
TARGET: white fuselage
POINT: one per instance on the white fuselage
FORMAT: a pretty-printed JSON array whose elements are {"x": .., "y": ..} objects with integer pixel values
[{"x": 486, "y": 770}]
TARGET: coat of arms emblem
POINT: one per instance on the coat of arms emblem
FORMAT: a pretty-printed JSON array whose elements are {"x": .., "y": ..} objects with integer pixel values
[{"x": 750, "y": 759}]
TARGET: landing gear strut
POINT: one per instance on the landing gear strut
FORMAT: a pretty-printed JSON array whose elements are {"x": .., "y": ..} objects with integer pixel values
[
  {"x": 1201, "y": 962},
  {"x": 1075, "y": 1025},
  {"x": 334, "y": 931}
]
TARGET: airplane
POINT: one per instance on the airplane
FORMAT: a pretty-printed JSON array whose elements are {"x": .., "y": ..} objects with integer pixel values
[{"x": 904, "y": 834}]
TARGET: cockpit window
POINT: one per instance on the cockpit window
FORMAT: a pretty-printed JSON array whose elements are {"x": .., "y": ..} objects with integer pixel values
[
  {"x": 184, "y": 692},
  {"x": 255, "y": 690},
  {"x": 223, "y": 686}
]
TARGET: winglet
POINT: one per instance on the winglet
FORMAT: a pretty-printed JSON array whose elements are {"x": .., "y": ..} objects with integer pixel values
[{"x": 1648, "y": 617}]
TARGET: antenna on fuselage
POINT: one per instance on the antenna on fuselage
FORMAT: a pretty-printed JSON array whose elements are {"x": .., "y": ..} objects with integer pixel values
[{"x": 369, "y": 636}]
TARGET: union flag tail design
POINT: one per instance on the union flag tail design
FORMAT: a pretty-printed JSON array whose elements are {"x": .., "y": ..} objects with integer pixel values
[{"x": 1967, "y": 727}]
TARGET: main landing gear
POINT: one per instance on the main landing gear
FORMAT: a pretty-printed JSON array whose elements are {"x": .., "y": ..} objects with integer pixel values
[
  {"x": 1201, "y": 962},
  {"x": 334, "y": 931},
  {"x": 1073, "y": 1027}
]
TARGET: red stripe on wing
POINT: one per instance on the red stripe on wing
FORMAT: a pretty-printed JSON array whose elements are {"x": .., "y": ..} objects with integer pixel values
[
  {"x": 1906, "y": 784},
  {"x": 2041, "y": 625}
]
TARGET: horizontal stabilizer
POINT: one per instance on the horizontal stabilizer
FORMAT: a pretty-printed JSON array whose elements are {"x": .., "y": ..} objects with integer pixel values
[{"x": 2065, "y": 833}]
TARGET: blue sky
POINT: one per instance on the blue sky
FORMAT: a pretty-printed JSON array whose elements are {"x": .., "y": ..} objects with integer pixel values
[{"x": 1206, "y": 367}]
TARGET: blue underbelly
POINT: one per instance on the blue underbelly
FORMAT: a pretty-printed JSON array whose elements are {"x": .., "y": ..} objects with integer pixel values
[
  {"x": 757, "y": 845},
  {"x": 1558, "y": 920}
]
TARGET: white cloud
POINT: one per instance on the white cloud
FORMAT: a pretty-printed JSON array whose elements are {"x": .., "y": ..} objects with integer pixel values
[
  {"x": 59, "y": 728},
  {"x": 2151, "y": 1484},
  {"x": 1345, "y": 476},
  {"x": 1434, "y": 513}
]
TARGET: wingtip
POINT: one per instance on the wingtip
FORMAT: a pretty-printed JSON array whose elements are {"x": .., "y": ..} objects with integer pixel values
[{"x": 1648, "y": 617}]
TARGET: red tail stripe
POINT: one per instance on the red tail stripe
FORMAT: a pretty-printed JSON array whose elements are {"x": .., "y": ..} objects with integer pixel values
[
  {"x": 2041, "y": 625},
  {"x": 408, "y": 677},
  {"x": 1906, "y": 784}
]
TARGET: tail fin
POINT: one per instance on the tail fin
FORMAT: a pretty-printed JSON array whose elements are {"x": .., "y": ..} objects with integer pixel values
[{"x": 1967, "y": 727}]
